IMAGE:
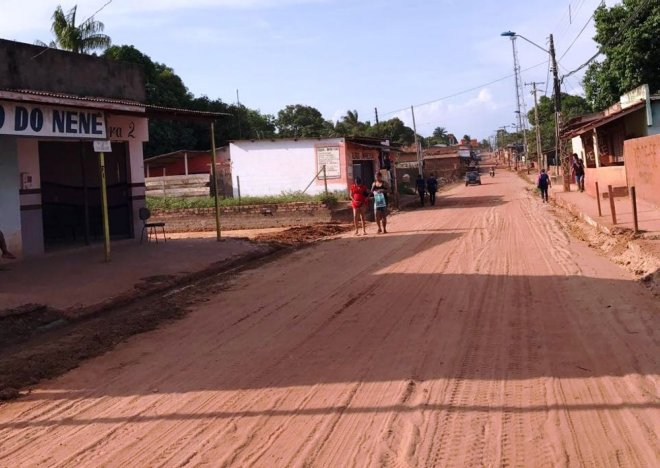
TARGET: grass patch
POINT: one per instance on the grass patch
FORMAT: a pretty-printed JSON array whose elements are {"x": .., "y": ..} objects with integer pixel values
[{"x": 175, "y": 203}]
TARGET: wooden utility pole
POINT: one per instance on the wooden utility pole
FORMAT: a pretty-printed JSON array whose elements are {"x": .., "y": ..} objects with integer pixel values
[
  {"x": 214, "y": 171},
  {"x": 557, "y": 98},
  {"x": 539, "y": 152},
  {"x": 104, "y": 208},
  {"x": 376, "y": 110},
  {"x": 417, "y": 148}
]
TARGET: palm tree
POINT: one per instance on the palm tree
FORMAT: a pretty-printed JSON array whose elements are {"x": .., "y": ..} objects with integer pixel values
[
  {"x": 440, "y": 133},
  {"x": 350, "y": 124},
  {"x": 81, "y": 39}
]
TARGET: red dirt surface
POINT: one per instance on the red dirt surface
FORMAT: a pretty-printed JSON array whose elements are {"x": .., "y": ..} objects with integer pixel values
[
  {"x": 477, "y": 333},
  {"x": 300, "y": 235}
]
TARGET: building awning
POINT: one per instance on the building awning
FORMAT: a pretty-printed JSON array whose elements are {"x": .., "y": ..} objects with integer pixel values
[
  {"x": 109, "y": 105},
  {"x": 595, "y": 123},
  {"x": 376, "y": 146}
]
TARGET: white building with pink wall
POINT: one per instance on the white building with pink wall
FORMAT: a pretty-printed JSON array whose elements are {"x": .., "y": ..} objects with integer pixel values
[{"x": 276, "y": 166}]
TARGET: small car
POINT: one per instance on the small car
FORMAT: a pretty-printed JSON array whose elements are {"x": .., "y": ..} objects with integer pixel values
[{"x": 472, "y": 177}]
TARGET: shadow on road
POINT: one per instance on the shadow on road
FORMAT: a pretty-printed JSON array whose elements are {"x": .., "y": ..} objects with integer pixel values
[{"x": 343, "y": 326}]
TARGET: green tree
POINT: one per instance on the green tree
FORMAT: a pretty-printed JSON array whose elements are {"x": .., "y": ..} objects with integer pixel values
[
  {"x": 165, "y": 88},
  {"x": 82, "y": 39},
  {"x": 572, "y": 106},
  {"x": 466, "y": 139},
  {"x": 628, "y": 36},
  {"x": 394, "y": 130},
  {"x": 440, "y": 136},
  {"x": 350, "y": 125},
  {"x": 299, "y": 121}
]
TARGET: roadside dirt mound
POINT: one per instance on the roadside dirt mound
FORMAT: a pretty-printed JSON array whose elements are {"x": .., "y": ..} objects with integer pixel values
[
  {"x": 297, "y": 236},
  {"x": 37, "y": 342},
  {"x": 623, "y": 247}
]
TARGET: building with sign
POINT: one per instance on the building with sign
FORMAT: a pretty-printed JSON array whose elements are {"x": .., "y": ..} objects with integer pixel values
[
  {"x": 273, "y": 167},
  {"x": 53, "y": 106}
]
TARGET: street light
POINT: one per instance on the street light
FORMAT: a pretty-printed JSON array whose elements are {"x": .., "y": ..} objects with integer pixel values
[
  {"x": 513, "y": 34},
  {"x": 556, "y": 88},
  {"x": 519, "y": 92}
]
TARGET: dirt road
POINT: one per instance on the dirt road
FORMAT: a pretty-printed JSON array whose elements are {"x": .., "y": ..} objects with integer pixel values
[{"x": 476, "y": 333}]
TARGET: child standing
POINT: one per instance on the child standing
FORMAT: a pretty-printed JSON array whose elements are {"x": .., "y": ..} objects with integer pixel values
[{"x": 359, "y": 197}]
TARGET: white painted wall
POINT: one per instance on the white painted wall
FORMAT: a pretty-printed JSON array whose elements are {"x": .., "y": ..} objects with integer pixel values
[
  {"x": 10, "y": 204},
  {"x": 32, "y": 229},
  {"x": 578, "y": 148},
  {"x": 272, "y": 167}
]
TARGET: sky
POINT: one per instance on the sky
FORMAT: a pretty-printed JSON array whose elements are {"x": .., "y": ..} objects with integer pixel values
[{"x": 440, "y": 56}]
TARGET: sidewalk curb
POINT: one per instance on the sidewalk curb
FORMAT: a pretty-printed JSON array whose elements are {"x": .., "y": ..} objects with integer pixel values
[{"x": 574, "y": 210}]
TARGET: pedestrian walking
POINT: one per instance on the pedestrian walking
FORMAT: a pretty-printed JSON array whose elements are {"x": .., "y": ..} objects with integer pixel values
[
  {"x": 3, "y": 248},
  {"x": 544, "y": 184},
  {"x": 359, "y": 198},
  {"x": 432, "y": 187},
  {"x": 380, "y": 190},
  {"x": 578, "y": 168},
  {"x": 421, "y": 188}
]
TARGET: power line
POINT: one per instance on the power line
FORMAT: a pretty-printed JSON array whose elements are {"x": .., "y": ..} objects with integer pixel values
[
  {"x": 580, "y": 33},
  {"x": 47, "y": 48},
  {"x": 96, "y": 12},
  {"x": 464, "y": 91},
  {"x": 632, "y": 17}
]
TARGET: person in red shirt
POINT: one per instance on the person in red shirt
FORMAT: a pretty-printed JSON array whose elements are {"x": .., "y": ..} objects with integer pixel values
[{"x": 359, "y": 198}]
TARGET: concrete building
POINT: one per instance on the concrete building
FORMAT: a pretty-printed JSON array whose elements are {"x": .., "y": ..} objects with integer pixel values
[
  {"x": 273, "y": 167},
  {"x": 53, "y": 106},
  {"x": 598, "y": 139}
]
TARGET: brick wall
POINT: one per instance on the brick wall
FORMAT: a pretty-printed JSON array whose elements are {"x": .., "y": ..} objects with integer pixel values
[
  {"x": 251, "y": 216},
  {"x": 642, "y": 157}
]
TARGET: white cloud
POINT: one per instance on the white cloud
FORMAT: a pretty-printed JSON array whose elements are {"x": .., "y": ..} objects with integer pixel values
[
  {"x": 27, "y": 24},
  {"x": 458, "y": 117}
]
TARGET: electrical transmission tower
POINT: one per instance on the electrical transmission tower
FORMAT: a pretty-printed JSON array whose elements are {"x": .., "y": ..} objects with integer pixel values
[{"x": 521, "y": 108}]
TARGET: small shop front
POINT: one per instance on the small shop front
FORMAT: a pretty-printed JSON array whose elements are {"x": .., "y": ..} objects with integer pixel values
[{"x": 50, "y": 177}]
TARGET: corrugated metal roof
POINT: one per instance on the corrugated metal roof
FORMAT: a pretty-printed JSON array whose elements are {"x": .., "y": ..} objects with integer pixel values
[
  {"x": 149, "y": 110},
  {"x": 595, "y": 123},
  {"x": 32, "y": 92}
]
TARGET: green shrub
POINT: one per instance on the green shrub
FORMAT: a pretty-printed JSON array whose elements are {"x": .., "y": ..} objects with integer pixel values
[{"x": 175, "y": 203}]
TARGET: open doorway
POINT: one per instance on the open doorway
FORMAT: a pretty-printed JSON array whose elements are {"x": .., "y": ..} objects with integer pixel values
[
  {"x": 364, "y": 169},
  {"x": 71, "y": 193}
]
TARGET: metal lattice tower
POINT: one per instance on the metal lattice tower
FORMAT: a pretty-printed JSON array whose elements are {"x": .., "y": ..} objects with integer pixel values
[{"x": 521, "y": 108}]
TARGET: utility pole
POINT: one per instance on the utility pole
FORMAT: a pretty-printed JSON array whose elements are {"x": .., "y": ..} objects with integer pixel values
[
  {"x": 539, "y": 152},
  {"x": 417, "y": 148},
  {"x": 557, "y": 93},
  {"x": 507, "y": 157},
  {"x": 376, "y": 110},
  {"x": 238, "y": 115}
]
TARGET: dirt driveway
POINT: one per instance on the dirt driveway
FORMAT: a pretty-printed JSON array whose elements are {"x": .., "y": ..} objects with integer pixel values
[{"x": 476, "y": 333}]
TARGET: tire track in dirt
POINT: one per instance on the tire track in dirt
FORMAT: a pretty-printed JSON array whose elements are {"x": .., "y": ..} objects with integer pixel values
[{"x": 478, "y": 337}]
